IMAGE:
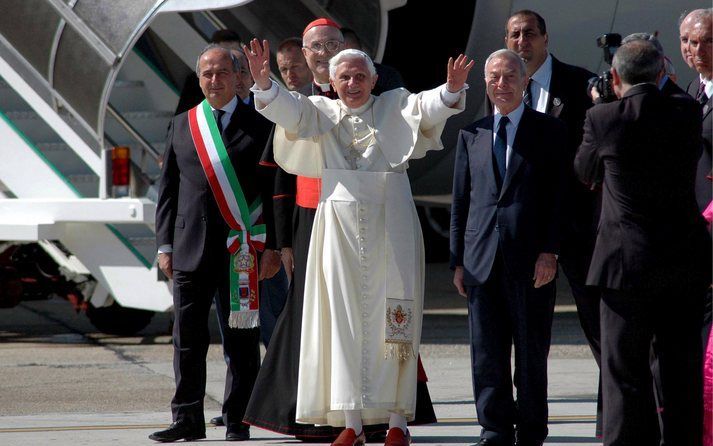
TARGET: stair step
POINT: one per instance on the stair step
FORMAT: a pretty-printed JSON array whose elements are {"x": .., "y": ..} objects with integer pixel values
[
  {"x": 63, "y": 158},
  {"x": 141, "y": 237},
  {"x": 86, "y": 184},
  {"x": 152, "y": 125},
  {"x": 32, "y": 125},
  {"x": 9, "y": 99},
  {"x": 129, "y": 95}
]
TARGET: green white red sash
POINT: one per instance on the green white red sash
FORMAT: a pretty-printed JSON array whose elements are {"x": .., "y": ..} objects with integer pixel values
[{"x": 247, "y": 232}]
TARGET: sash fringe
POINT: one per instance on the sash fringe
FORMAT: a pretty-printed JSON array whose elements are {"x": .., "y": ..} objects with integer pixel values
[
  {"x": 399, "y": 350},
  {"x": 244, "y": 319}
]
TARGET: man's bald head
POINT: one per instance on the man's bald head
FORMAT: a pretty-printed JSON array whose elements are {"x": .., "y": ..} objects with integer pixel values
[
  {"x": 700, "y": 41},
  {"x": 684, "y": 28}
]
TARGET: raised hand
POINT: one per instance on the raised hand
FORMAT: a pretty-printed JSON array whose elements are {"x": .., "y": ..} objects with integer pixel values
[
  {"x": 259, "y": 60},
  {"x": 458, "y": 72}
]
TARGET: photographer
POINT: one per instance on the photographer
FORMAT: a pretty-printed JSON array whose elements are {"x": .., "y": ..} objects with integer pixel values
[
  {"x": 601, "y": 88},
  {"x": 652, "y": 256}
]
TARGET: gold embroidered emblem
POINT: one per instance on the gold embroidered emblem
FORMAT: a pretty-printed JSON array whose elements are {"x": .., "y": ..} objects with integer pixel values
[
  {"x": 243, "y": 263},
  {"x": 398, "y": 320}
]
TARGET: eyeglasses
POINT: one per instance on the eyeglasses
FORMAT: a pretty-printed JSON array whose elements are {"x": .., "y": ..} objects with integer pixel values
[{"x": 329, "y": 45}]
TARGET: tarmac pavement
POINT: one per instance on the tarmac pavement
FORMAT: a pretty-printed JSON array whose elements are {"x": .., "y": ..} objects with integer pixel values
[{"x": 63, "y": 383}]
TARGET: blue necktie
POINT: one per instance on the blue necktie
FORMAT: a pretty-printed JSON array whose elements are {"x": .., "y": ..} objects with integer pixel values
[{"x": 500, "y": 148}]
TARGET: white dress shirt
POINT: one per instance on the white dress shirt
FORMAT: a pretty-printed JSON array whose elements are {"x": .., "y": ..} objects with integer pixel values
[{"x": 540, "y": 85}]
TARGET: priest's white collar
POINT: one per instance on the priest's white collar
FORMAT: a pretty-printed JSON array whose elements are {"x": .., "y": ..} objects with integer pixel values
[
  {"x": 358, "y": 110},
  {"x": 324, "y": 87}
]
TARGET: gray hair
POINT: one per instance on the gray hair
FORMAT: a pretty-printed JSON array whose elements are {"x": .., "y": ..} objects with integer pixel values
[
  {"x": 644, "y": 36},
  {"x": 215, "y": 46},
  {"x": 637, "y": 62},
  {"x": 349, "y": 55},
  {"x": 512, "y": 55}
]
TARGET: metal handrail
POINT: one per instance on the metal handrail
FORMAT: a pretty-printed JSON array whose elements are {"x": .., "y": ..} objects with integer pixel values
[
  {"x": 145, "y": 145},
  {"x": 212, "y": 18}
]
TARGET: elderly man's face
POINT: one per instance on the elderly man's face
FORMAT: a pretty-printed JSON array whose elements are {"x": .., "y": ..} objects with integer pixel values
[
  {"x": 684, "y": 30},
  {"x": 318, "y": 60},
  {"x": 524, "y": 38},
  {"x": 217, "y": 79},
  {"x": 293, "y": 68},
  {"x": 353, "y": 82},
  {"x": 245, "y": 79},
  {"x": 700, "y": 41},
  {"x": 504, "y": 83}
]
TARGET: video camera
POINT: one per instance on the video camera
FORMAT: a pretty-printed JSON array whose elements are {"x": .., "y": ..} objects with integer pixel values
[{"x": 609, "y": 43}]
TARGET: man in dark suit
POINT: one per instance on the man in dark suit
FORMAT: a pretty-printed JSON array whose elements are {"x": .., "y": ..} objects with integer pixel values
[
  {"x": 505, "y": 234},
  {"x": 652, "y": 254},
  {"x": 700, "y": 45},
  {"x": 192, "y": 232},
  {"x": 667, "y": 85},
  {"x": 560, "y": 90}
]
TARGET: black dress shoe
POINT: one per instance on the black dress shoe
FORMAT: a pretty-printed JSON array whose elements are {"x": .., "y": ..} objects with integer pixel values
[
  {"x": 179, "y": 431},
  {"x": 217, "y": 421},
  {"x": 240, "y": 435}
]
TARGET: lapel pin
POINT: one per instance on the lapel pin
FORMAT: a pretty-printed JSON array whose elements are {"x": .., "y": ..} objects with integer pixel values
[{"x": 556, "y": 102}]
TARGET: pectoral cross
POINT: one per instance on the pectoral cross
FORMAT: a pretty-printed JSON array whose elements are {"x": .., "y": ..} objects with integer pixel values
[{"x": 352, "y": 157}]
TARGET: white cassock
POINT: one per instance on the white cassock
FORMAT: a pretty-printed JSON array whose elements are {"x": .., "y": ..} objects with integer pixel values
[{"x": 365, "y": 269}]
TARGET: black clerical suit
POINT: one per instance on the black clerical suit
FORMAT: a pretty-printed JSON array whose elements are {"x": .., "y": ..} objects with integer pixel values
[
  {"x": 188, "y": 218},
  {"x": 497, "y": 234},
  {"x": 651, "y": 261}
]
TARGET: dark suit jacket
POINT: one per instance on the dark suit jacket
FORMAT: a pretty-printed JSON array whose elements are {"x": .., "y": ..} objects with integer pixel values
[
  {"x": 389, "y": 79},
  {"x": 569, "y": 101},
  {"x": 187, "y": 215},
  {"x": 650, "y": 232},
  {"x": 703, "y": 184},
  {"x": 670, "y": 88},
  {"x": 524, "y": 219}
]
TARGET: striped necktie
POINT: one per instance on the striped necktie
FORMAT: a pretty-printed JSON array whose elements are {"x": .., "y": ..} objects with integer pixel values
[
  {"x": 500, "y": 148},
  {"x": 527, "y": 99}
]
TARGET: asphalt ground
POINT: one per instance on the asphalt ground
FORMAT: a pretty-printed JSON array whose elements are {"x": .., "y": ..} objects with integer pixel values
[{"x": 64, "y": 383}]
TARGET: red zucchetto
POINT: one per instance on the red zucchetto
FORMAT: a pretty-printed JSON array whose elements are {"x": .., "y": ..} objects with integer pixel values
[{"x": 322, "y": 21}]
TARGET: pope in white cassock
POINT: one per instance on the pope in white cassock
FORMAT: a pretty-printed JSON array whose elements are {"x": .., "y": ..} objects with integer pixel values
[{"x": 363, "y": 303}]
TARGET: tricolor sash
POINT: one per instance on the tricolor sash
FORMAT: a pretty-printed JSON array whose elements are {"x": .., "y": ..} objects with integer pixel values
[{"x": 247, "y": 232}]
